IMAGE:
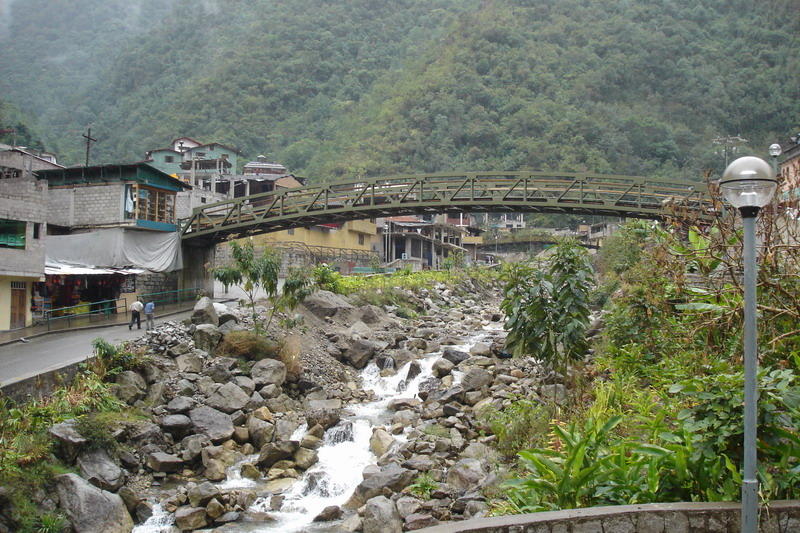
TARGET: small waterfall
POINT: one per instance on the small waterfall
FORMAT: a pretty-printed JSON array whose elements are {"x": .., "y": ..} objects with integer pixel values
[{"x": 160, "y": 522}]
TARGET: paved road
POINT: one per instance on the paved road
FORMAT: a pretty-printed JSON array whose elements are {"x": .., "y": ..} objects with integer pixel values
[{"x": 49, "y": 352}]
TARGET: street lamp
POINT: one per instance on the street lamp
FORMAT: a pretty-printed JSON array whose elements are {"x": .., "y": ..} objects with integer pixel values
[
  {"x": 748, "y": 184},
  {"x": 774, "y": 151}
]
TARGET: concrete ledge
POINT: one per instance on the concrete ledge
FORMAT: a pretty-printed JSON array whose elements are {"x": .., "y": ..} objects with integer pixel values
[
  {"x": 694, "y": 517},
  {"x": 42, "y": 385}
]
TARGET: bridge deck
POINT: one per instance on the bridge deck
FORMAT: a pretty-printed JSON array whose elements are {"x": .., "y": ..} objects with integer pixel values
[{"x": 629, "y": 196}]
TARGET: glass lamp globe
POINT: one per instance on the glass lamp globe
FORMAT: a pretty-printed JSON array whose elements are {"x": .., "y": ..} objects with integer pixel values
[
  {"x": 775, "y": 150},
  {"x": 748, "y": 182}
]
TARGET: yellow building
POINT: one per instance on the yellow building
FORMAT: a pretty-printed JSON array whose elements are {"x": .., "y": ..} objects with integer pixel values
[{"x": 345, "y": 245}]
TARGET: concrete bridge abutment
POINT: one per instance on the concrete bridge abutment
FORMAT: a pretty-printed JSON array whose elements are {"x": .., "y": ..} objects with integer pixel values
[{"x": 198, "y": 264}]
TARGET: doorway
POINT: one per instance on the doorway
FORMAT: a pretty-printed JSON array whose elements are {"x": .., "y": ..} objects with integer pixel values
[{"x": 19, "y": 298}]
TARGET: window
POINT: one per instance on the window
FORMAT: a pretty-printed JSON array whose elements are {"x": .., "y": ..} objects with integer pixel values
[
  {"x": 12, "y": 234},
  {"x": 169, "y": 159},
  {"x": 36, "y": 230},
  {"x": 202, "y": 199},
  {"x": 290, "y": 231},
  {"x": 155, "y": 205},
  {"x": 361, "y": 238}
]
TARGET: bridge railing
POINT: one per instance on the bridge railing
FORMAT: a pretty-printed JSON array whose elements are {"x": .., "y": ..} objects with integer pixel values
[{"x": 553, "y": 192}]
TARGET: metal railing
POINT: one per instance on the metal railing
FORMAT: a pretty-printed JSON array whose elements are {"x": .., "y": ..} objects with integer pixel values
[
  {"x": 580, "y": 193},
  {"x": 103, "y": 309},
  {"x": 170, "y": 297}
]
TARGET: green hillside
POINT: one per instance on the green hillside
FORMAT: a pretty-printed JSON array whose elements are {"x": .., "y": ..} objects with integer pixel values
[{"x": 351, "y": 88}]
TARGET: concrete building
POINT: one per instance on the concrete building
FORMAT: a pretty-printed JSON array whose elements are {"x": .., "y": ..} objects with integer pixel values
[
  {"x": 789, "y": 174},
  {"x": 418, "y": 243},
  {"x": 23, "y": 224},
  {"x": 112, "y": 234}
]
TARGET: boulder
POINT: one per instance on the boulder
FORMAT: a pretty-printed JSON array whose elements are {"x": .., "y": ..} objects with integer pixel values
[
  {"x": 372, "y": 314},
  {"x": 476, "y": 379},
  {"x": 90, "y": 509},
  {"x": 416, "y": 521},
  {"x": 359, "y": 330},
  {"x": 216, "y": 425},
  {"x": 391, "y": 476},
  {"x": 381, "y": 516},
  {"x": 100, "y": 470},
  {"x": 276, "y": 451},
  {"x": 331, "y": 512},
  {"x": 359, "y": 352},
  {"x": 305, "y": 458},
  {"x": 325, "y": 303},
  {"x": 398, "y": 404},
  {"x": 201, "y": 494},
  {"x": 228, "y": 398},
  {"x": 380, "y": 442},
  {"x": 455, "y": 356},
  {"x": 268, "y": 372},
  {"x": 465, "y": 475},
  {"x": 164, "y": 462},
  {"x": 327, "y": 418},
  {"x": 442, "y": 367},
  {"x": 407, "y": 505},
  {"x": 176, "y": 425},
  {"x": 189, "y": 363},
  {"x": 190, "y": 518},
  {"x": 205, "y": 312},
  {"x": 68, "y": 438},
  {"x": 206, "y": 337},
  {"x": 481, "y": 348},
  {"x": 261, "y": 432}
]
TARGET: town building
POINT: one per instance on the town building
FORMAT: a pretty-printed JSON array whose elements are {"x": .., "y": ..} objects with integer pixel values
[
  {"x": 23, "y": 223},
  {"x": 112, "y": 235},
  {"x": 412, "y": 241},
  {"x": 789, "y": 175}
]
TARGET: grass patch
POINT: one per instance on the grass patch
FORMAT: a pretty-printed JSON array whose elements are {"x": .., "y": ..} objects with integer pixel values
[
  {"x": 248, "y": 345},
  {"x": 523, "y": 424}
]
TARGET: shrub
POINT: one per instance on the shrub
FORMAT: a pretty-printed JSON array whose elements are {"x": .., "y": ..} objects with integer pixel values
[
  {"x": 423, "y": 486},
  {"x": 522, "y": 424},
  {"x": 248, "y": 345},
  {"x": 290, "y": 350}
]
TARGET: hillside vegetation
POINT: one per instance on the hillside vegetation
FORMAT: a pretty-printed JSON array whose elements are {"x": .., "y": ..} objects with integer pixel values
[{"x": 352, "y": 88}]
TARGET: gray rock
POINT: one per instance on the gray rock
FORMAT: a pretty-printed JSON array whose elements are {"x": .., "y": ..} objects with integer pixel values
[
  {"x": 204, "y": 312},
  {"x": 245, "y": 383},
  {"x": 206, "y": 337},
  {"x": 380, "y": 442},
  {"x": 164, "y": 462},
  {"x": 261, "y": 431},
  {"x": 325, "y": 303},
  {"x": 465, "y": 474},
  {"x": 189, "y": 363},
  {"x": 359, "y": 330},
  {"x": 331, "y": 512},
  {"x": 92, "y": 510},
  {"x": 327, "y": 418},
  {"x": 190, "y": 518},
  {"x": 212, "y": 423},
  {"x": 176, "y": 425},
  {"x": 416, "y": 521},
  {"x": 407, "y": 505},
  {"x": 391, "y": 476},
  {"x": 129, "y": 387},
  {"x": 371, "y": 314},
  {"x": 481, "y": 348},
  {"x": 268, "y": 372},
  {"x": 442, "y": 367},
  {"x": 201, "y": 494},
  {"x": 276, "y": 451},
  {"x": 455, "y": 356},
  {"x": 476, "y": 379},
  {"x": 228, "y": 398},
  {"x": 360, "y": 351},
  {"x": 68, "y": 437},
  {"x": 555, "y": 392},
  {"x": 100, "y": 470},
  {"x": 380, "y": 516},
  {"x": 193, "y": 445},
  {"x": 305, "y": 458}
]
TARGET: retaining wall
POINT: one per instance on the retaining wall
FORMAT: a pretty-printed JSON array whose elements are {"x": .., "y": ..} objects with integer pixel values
[
  {"x": 41, "y": 385},
  {"x": 718, "y": 517}
]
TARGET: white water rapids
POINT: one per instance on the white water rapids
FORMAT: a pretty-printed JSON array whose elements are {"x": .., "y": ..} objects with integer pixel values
[{"x": 344, "y": 455}]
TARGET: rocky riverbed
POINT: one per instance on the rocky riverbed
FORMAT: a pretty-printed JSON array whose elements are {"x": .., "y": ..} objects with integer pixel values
[{"x": 371, "y": 404}]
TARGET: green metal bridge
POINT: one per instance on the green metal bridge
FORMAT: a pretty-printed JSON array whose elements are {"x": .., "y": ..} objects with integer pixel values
[{"x": 543, "y": 192}]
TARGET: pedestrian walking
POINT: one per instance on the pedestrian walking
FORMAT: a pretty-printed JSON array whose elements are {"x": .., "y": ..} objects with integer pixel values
[
  {"x": 149, "y": 309},
  {"x": 136, "y": 310}
]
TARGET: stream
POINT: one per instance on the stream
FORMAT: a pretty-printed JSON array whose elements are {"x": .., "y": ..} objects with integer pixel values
[{"x": 344, "y": 455}]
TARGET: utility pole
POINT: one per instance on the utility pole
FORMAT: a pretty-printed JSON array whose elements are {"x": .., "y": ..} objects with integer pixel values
[
  {"x": 730, "y": 144},
  {"x": 89, "y": 141}
]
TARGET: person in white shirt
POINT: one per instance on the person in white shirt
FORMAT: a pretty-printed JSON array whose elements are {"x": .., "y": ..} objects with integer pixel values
[{"x": 136, "y": 314}]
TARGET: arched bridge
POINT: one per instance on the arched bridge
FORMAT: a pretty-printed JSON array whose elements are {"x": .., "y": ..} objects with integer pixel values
[{"x": 590, "y": 194}]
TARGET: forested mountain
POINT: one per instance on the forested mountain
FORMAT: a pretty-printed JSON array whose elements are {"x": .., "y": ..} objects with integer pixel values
[{"x": 356, "y": 87}]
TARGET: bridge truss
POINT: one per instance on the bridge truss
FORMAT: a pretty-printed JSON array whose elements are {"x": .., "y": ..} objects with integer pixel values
[{"x": 590, "y": 194}]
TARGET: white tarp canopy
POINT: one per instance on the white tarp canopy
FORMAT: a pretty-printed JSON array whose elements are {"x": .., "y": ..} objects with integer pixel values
[
  {"x": 54, "y": 269},
  {"x": 116, "y": 248}
]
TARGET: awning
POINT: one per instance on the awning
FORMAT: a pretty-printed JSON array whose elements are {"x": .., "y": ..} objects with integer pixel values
[{"x": 51, "y": 269}]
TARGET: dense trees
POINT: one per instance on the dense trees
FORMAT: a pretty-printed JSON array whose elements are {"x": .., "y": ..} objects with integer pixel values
[{"x": 354, "y": 88}]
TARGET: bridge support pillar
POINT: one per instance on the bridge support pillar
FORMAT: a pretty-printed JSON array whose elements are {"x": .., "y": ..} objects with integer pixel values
[{"x": 198, "y": 262}]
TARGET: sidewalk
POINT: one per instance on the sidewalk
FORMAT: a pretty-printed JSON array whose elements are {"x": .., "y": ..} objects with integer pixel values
[{"x": 62, "y": 325}]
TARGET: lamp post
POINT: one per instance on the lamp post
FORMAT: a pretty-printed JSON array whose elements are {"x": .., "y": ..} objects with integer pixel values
[{"x": 748, "y": 184}]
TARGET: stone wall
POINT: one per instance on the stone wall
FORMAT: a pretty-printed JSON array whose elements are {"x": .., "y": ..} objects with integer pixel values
[
  {"x": 156, "y": 282},
  {"x": 87, "y": 205},
  {"x": 42, "y": 385},
  {"x": 720, "y": 517}
]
